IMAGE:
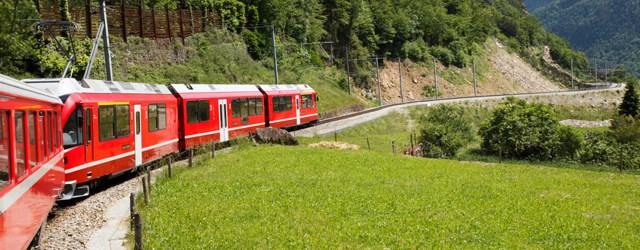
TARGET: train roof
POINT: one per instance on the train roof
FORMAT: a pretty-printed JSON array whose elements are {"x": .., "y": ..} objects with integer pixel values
[
  {"x": 66, "y": 86},
  {"x": 304, "y": 88},
  {"x": 20, "y": 88},
  {"x": 213, "y": 88}
]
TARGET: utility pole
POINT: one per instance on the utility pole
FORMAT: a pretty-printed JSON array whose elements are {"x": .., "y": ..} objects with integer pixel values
[
  {"x": 596, "y": 69},
  {"x": 348, "y": 71},
  {"x": 378, "y": 77},
  {"x": 275, "y": 53},
  {"x": 400, "y": 74},
  {"x": 105, "y": 40},
  {"x": 435, "y": 76},
  {"x": 475, "y": 80},
  {"x": 572, "y": 76}
]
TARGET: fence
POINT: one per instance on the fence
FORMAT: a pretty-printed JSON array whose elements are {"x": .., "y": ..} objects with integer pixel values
[{"x": 133, "y": 20}]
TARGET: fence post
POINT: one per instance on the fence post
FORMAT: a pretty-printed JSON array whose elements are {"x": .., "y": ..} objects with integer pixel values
[
  {"x": 393, "y": 146},
  {"x": 153, "y": 22},
  {"x": 123, "y": 21},
  {"x": 145, "y": 190},
  {"x": 411, "y": 139},
  {"x": 180, "y": 20},
  {"x": 132, "y": 207},
  {"x": 169, "y": 166},
  {"x": 140, "y": 14},
  {"x": 87, "y": 16},
  {"x": 368, "y": 144},
  {"x": 213, "y": 149},
  {"x": 166, "y": 12},
  {"x": 335, "y": 136},
  {"x": 138, "y": 231},
  {"x": 190, "y": 157},
  {"x": 149, "y": 179}
]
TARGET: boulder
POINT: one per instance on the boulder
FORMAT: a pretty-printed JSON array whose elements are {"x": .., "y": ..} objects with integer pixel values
[{"x": 274, "y": 136}]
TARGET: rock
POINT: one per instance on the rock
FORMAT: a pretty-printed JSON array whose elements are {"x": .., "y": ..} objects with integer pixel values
[
  {"x": 415, "y": 81},
  {"x": 274, "y": 136},
  {"x": 410, "y": 95}
]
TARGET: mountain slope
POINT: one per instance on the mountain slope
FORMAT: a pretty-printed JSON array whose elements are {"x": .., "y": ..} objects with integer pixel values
[{"x": 606, "y": 30}]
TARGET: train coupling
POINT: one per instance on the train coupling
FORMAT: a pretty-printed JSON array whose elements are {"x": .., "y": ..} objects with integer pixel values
[{"x": 72, "y": 191}]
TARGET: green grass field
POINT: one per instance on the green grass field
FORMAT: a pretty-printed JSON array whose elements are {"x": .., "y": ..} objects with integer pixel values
[{"x": 297, "y": 197}]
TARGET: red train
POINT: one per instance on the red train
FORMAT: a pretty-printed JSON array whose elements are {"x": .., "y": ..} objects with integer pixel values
[
  {"x": 31, "y": 167},
  {"x": 114, "y": 127}
]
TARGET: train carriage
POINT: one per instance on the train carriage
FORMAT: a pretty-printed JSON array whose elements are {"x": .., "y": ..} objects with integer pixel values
[
  {"x": 31, "y": 155},
  {"x": 290, "y": 105},
  {"x": 111, "y": 127},
  {"x": 218, "y": 112}
]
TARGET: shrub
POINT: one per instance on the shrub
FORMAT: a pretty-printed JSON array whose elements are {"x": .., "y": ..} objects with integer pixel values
[
  {"x": 444, "y": 55},
  {"x": 416, "y": 50},
  {"x": 570, "y": 141},
  {"x": 444, "y": 132},
  {"x": 517, "y": 129},
  {"x": 625, "y": 129},
  {"x": 597, "y": 148}
]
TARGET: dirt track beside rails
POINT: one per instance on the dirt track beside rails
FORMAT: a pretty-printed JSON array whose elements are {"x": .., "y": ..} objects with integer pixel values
[{"x": 340, "y": 124}]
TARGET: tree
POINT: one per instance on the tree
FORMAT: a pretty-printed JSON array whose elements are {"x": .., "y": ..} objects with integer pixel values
[{"x": 630, "y": 105}]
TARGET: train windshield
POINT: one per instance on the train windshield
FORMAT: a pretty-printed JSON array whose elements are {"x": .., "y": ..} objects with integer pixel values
[{"x": 72, "y": 135}]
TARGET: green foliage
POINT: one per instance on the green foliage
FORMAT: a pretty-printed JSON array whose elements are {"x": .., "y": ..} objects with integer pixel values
[
  {"x": 416, "y": 51},
  {"x": 521, "y": 130},
  {"x": 603, "y": 148},
  {"x": 630, "y": 105},
  {"x": 625, "y": 129},
  {"x": 429, "y": 91},
  {"x": 444, "y": 132}
]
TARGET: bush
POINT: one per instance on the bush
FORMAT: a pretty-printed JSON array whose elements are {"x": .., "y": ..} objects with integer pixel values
[
  {"x": 570, "y": 141},
  {"x": 625, "y": 129},
  {"x": 444, "y": 132},
  {"x": 416, "y": 50},
  {"x": 520, "y": 130},
  {"x": 444, "y": 55},
  {"x": 601, "y": 148}
]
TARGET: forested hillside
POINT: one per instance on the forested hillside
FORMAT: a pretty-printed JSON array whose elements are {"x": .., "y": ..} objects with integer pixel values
[
  {"x": 452, "y": 31},
  {"x": 606, "y": 30}
]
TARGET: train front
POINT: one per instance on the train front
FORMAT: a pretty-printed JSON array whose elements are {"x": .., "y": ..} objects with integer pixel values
[{"x": 75, "y": 132}]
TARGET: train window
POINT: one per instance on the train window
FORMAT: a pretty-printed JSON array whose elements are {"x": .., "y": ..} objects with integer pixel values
[
  {"x": 282, "y": 103},
  {"x": 88, "y": 125},
  {"x": 244, "y": 108},
  {"x": 307, "y": 101},
  {"x": 50, "y": 132},
  {"x": 235, "y": 108},
  {"x": 72, "y": 131},
  {"x": 113, "y": 121},
  {"x": 258, "y": 106},
  {"x": 20, "y": 145},
  {"x": 31, "y": 124},
  {"x": 157, "y": 117},
  {"x": 4, "y": 149},
  {"x": 197, "y": 111},
  {"x": 122, "y": 120},
  {"x": 41, "y": 146},
  {"x": 252, "y": 106}
]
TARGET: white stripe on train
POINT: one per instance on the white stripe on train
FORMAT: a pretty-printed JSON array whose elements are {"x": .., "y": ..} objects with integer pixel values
[{"x": 18, "y": 191}]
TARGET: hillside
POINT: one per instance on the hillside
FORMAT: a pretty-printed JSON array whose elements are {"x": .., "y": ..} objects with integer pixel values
[{"x": 606, "y": 30}]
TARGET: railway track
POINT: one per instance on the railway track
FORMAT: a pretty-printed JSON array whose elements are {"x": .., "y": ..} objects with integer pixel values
[
  {"x": 338, "y": 123},
  {"x": 74, "y": 224}
]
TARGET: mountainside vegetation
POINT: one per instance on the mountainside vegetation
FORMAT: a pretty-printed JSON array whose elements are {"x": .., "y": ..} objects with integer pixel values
[
  {"x": 606, "y": 30},
  {"x": 450, "y": 30}
]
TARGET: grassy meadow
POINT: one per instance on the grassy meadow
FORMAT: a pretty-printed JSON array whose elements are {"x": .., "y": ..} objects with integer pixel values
[{"x": 298, "y": 197}]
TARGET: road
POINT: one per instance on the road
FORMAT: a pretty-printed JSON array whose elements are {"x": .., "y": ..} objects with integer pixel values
[{"x": 350, "y": 120}]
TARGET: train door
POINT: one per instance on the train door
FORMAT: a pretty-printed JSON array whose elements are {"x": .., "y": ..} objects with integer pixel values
[
  {"x": 224, "y": 126},
  {"x": 138, "y": 134},
  {"x": 297, "y": 110},
  {"x": 88, "y": 119}
]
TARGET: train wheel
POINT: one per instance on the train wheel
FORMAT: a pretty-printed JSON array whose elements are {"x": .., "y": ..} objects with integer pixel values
[{"x": 39, "y": 237}]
